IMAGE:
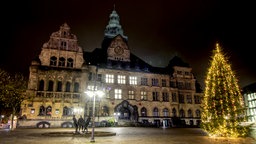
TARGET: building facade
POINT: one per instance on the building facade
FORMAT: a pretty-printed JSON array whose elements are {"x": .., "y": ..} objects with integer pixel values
[
  {"x": 62, "y": 76},
  {"x": 249, "y": 94}
]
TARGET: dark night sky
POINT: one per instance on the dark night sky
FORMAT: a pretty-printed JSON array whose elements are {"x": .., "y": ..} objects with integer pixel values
[{"x": 156, "y": 30}]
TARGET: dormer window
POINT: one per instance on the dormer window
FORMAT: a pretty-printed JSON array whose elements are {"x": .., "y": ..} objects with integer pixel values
[
  {"x": 63, "y": 45},
  {"x": 179, "y": 72}
]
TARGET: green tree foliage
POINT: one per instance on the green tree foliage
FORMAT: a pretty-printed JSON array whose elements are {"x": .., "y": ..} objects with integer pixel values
[
  {"x": 222, "y": 104},
  {"x": 12, "y": 91}
]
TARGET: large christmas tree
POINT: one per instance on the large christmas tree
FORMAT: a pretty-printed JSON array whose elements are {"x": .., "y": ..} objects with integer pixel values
[{"x": 222, "y": 103}]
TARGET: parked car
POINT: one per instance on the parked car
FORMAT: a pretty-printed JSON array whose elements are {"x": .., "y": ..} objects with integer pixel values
[{"x": 4, "y": 126}]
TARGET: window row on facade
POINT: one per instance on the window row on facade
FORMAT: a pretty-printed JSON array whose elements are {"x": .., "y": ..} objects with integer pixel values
[
  {"x": 61, "y": 62},
  {"x": 155, "y": 96},
  {"x": 118, "y": 93},
  {"x": 69, "y": 111},
  {"x": 59, "y": 86},
  {"x": 133, "y": 80}
]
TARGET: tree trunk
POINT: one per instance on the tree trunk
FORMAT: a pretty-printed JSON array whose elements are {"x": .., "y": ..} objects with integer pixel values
[{"x": 12, "y": 118}]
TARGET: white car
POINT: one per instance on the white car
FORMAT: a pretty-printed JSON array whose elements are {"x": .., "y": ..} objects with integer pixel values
[{"x": 4, "y": 126}]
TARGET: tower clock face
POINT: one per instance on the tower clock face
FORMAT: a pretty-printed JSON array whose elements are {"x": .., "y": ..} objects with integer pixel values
[{"x": 119, "y": 50}]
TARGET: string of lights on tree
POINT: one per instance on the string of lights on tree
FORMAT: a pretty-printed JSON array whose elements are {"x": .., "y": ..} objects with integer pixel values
[{"x": 222, "y": 103}]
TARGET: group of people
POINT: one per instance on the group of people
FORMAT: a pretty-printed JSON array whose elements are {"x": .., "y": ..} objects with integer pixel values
[{"x": 81, "y": 124}]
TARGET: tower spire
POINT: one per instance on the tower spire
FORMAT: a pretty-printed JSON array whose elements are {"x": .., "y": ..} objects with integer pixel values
[{"x": 114, "y": 28}]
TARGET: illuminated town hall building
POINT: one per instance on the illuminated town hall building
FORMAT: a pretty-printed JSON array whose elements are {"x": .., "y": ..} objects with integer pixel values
[{"x": 62, "y": 76}]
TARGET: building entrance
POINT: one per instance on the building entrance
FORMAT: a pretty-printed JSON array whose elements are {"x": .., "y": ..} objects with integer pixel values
[{"x": 127, "y": 111}]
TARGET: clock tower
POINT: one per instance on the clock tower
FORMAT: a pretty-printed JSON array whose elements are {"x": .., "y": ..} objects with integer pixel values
[{"x": 118, "y": 49}]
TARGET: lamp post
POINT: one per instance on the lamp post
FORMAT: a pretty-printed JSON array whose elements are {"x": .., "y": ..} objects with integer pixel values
[{"x": 94, "y": 94}]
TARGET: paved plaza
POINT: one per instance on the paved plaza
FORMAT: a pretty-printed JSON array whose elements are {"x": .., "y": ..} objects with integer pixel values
[{"x": 123, "y": 135}]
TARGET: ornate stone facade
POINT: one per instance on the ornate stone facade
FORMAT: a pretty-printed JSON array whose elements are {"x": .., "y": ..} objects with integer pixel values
[{"x": 134, "y": 91}]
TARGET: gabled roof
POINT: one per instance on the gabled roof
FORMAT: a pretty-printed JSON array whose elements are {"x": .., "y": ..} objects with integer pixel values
[
  {"x": 177, "y": 61},
  {"x": 99, "y": 57}
]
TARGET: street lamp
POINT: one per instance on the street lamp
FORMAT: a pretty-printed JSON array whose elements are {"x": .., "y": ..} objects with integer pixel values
[{"x": 93, "y": 94}]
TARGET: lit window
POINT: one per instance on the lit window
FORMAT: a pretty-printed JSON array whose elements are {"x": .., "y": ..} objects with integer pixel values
[
  {"x": 32, "y": 111},
  {"x": 91, "y": 87},
  {"x": 133, "y": 80},
  {"x": 57, "y": 111},
  {"x": 118, "y": 94},
  {"x": 121, "y": 79},
  {"x": 131, "y": 94},
  {"x": 143, "y": 95},
  {"x": 109, "y": 78}
]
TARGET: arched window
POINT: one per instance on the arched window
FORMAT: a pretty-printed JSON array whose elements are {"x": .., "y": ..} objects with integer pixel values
[
  {"x": 50, "y": 85},
  {"x": 53, "y": 61},
  {"x": 190, "y": 114},
  {"x": 41, "y": 110},
  {"x": 49, "y": 110},
  {"x": 165, "y": 112},
  {"x": 198, "y": 113},
  {"x": 41, "y": 85},
  {"x": 143, "y": 111},
  {"x": 59, "y": 86},
  {"x": 62, "y": 61},
  {"x": 68, "y": 87},
  {"x": 155, "y": 112},
  {"x": 182, "y": 113},
  {"x": 76, "y": 87},
  {"x": 70, "y": 62},
  {"x": 174, "y": 112},
  {"x": 65, "y": 111},
  {"x": 105, "y": 110}
]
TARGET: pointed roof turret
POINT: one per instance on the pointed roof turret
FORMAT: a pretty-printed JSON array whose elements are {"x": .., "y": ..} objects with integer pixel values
[{"x": 114, "y": 28}]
